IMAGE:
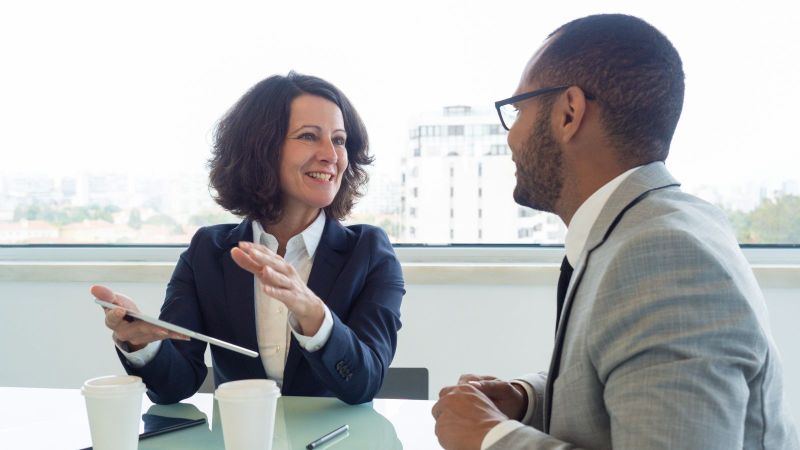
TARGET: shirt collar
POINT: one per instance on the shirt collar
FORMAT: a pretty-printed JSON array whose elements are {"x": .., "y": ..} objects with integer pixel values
[
  {"x": 585, "y": 216},
  {"x": 307, "y": 240}
]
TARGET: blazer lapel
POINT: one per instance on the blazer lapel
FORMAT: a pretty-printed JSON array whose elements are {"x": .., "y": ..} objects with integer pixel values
[
  {"x": 332, "y": 253},
  {"x": 239, "y": 290},
  {"x": 633, "y": 189}
]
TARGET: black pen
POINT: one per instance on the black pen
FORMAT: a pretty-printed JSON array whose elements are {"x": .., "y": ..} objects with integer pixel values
[{"x": 341, "y": 430}]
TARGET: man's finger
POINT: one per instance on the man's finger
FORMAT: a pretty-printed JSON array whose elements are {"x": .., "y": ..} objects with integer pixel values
[
  {"x": 450, "y": 389},
  {"x": 467, "y": 377},
  {"x": 491, "y": 387},
  {"x": 438, "y": 409}
]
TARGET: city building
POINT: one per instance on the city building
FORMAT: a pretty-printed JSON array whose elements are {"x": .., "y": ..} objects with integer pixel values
[{"x": 457, "y": 184}]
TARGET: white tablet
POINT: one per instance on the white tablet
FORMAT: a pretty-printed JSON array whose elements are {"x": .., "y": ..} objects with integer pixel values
[{"x": 181, "y": 330}]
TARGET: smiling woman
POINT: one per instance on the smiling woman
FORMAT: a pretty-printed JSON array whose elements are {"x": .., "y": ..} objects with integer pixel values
[
  {"x": 288, "y": 157},
  {"x": 320, "y": 133}
]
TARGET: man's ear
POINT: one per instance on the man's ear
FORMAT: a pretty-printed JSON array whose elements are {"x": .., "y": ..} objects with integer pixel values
[{"x": 569, "y": 111}]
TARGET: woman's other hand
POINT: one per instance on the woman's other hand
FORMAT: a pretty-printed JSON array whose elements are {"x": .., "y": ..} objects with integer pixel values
[{"x": 282, "y": 282}]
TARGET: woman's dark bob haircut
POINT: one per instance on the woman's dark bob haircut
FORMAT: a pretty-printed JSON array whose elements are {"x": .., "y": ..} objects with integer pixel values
[{"x": 245, "y": 162}]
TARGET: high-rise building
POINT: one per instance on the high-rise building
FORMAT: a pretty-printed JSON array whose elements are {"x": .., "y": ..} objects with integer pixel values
[{"x": 457, "y": 184}]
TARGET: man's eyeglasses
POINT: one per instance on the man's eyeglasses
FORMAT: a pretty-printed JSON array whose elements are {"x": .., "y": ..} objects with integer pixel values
[{"x": 508, "y": 111}]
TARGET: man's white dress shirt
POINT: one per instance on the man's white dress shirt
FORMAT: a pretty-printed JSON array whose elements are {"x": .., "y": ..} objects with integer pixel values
[
  {"x": 574, "y": 243},
  {"x": 273, "y": 321}
]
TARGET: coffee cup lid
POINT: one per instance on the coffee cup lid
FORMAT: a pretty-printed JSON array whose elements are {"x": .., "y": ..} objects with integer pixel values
[
  {"x": 113, "y": 385},
  {"x": 247, "y": 389}
]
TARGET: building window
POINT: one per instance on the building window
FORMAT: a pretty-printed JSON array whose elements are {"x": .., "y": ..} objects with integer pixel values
[
  {"x": 459, "y": 110},
  {"x": 480, "y": 169},
  {"x": 499, "y": 149},
  {"x": 480, "y": 213},
  {"x": 452, "y": 191},
  {"x": 496, "y": 129},
  {"x": 452, "y": 213},
  {"x": 414, "y": 192},
  {"x": 480, "y": 192},
  {"x": 455, "y": 130}
]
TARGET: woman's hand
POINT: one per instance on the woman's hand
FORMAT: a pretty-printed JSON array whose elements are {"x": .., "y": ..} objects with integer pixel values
[
  {"x": 137, "y": 334},
  {"x": 282, "y": 282}
]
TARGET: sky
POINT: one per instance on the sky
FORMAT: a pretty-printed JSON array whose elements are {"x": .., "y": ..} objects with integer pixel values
[{"x": 137, "y": 86}]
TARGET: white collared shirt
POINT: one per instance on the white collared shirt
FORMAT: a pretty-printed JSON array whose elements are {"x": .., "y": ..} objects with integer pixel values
[
  {"x": 574, "y": 243},
  {"x": 273, "y": 322}
]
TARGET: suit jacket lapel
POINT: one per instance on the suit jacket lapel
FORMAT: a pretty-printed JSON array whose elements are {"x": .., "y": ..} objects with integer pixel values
[
  {"x": 633, "y": 189},
  {"x": 239, "y": 290},
  {"x": 332, "y": 253}
]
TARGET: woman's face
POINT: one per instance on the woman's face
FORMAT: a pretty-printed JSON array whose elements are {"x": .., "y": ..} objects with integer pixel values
[{"x": 313, "y": 158}]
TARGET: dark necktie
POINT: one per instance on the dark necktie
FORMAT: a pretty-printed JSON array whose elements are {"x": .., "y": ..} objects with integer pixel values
[{"x": 563, "y": 283}]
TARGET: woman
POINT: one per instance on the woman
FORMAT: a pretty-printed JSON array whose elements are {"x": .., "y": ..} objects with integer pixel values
[{"x": 320, "y": 302}]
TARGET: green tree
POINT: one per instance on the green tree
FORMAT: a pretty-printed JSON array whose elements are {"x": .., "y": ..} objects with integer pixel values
[
  {"x": 776, "y": 221},
  {"x": 741, "y": 225},
  {"x": 211, "y": 217},
  {"x": 135, "y": 219},
  {"x": 160, "y": 219}
]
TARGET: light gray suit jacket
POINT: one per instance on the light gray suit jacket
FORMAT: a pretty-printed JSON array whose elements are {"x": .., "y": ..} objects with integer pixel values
[{"x": 664, "y": 340}]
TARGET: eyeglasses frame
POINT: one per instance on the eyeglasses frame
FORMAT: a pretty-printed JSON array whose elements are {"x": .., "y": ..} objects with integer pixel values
[{"x": 531, "y": 94}]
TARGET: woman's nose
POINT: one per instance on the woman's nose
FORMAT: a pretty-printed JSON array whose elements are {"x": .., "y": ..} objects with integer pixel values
[{"x": 327, "y": 152}]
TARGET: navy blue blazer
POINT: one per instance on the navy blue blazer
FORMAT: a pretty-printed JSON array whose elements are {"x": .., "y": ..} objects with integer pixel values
[{"x": 355, "y": 273}]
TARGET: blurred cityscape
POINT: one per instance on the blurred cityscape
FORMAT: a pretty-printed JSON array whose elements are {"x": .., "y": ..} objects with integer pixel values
[{"x": 454, "y": 184}]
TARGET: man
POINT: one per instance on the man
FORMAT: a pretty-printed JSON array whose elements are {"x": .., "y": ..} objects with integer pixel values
[{"x": 663, "y": 339}]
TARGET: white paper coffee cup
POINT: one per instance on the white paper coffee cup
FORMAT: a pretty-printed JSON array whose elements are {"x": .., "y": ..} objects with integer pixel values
[
  {"x": 247, "y": 409},
  {"x": 114, "y": 406}
]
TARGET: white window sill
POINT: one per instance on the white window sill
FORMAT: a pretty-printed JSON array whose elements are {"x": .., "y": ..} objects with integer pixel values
[{"x": 773, "y": 267}]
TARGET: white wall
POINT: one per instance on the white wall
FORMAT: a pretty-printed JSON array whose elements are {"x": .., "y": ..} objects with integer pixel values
[{"x": 52, "y": 335}]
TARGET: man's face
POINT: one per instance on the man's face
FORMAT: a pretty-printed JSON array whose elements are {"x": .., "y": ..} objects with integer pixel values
[{"x": 534, "y": 150}]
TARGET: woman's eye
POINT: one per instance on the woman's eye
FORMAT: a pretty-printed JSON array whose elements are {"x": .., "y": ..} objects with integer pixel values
[
  {"x": 339, "y": 141},
  {"x": 307, "y": 137}
]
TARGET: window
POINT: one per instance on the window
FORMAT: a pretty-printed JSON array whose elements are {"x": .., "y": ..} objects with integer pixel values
[
  {"x": 499, "y": 150},
  {"x": 455, "y": 130},
  {"x": 114, "y": 148}
]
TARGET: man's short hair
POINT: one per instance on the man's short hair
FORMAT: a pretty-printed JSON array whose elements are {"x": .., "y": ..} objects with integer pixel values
[{"x": 633, "y": 71}]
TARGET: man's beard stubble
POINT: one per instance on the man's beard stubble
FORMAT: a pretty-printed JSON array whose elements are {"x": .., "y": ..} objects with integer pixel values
[{"x": 539, "y": 175}]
